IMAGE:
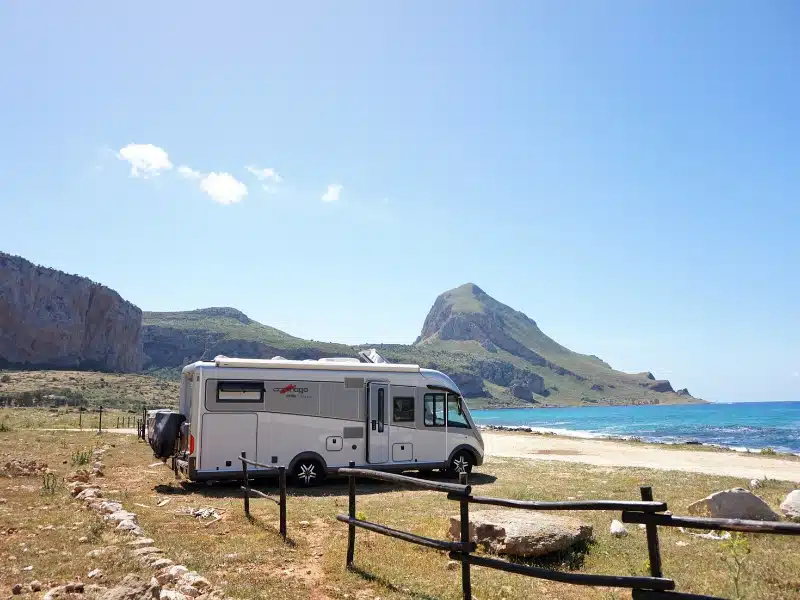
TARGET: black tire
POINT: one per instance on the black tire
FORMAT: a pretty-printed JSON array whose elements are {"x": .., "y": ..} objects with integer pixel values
[
  {"x": 462, "y": 462},
  {"x": 308, "y": 472}
]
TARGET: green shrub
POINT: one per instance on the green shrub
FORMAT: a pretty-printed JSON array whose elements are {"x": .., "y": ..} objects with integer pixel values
[
  {"x": 81, "y": 457},
  {"x": 49, "y": 483},
  {"x": 768, "y": 451}
]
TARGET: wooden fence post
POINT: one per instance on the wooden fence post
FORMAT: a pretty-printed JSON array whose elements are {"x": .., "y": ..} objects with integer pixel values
[
  {"x": 652, "y": 537},
  {"x": 80, "y": 417},
  {"x": 282, "y": 485},
  {"x": 351, "y": 511},
  {"x": 100, "y": 422},
  {"x": 246, "y": 486},
  {"x": 466, "y": 581}
]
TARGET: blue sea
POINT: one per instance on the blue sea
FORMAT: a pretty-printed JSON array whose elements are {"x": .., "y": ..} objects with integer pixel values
[{"x": 740, "y": 426}]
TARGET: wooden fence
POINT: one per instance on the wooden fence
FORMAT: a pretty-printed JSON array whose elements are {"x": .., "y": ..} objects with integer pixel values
[
  {"x": 646, "y": 511},
  {"x": 265, "y": 469}
]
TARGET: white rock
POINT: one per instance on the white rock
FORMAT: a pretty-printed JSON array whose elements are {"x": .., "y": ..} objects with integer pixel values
[
  {"x": 121, "y": 515},
  {"x": 188, "y": 590},
  {"x": 755, "y": 483},
  {"x": 521, "y": 533},
  {"x": 141, "y": 542},
  {"x": 94, "y": 573},
  {"x": 618, "y": 529},
  {"x": 737, "y": 503},
  {"x": 196, "y": 580},
  {"x": 131, "y": 526},
  {"x": 791, "y": 505},
  {"x": 171, "y": 595},
  {"x": 160, "y": 563},
  {"x": 177, "y": 571},
  {"x": 110, "y": 507},
  {"x": 681, "y": 544},
  {"x": 89, "y": 494}
]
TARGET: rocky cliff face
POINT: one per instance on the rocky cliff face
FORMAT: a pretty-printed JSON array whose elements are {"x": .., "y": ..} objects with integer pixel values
[{"x": 54, "y": 320}]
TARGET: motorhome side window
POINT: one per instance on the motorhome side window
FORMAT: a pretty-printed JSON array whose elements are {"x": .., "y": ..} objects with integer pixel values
[
  {"x": 240, "y": 391},
  {"x": 403, "y": 409},
  {"x": 434, "y": 410}
]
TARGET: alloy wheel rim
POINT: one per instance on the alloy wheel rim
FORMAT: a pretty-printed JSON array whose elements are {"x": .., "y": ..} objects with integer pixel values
[
  {"x": 461, "y": 464},
  {"x": 307, "y": 473}
]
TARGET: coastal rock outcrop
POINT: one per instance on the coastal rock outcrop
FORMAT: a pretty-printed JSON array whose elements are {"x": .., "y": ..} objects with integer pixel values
[
  {"x": 736, "y": 503},
  {"x": 50, "y": 319},
  {"x": 516, "y": 533}
]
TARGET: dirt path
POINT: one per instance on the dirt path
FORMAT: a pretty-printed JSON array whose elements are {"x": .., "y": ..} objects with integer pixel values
[{"x": 616, "y": 454}]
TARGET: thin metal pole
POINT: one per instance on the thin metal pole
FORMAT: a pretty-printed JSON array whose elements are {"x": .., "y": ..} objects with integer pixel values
[
  {"x": 282, "y": 485},
  {"x": 351, "y": 511},
  {"x": 652, "y": 537},
  {"x": 246, "y": 486},
  {"x": 466, "y": 582}
]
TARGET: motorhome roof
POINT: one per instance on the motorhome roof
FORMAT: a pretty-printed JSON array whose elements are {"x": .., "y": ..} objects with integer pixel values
[{"x": 325, "y": 365}]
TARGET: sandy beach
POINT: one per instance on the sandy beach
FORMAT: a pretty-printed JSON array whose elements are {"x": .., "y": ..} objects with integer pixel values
[{"x": 609, "y": 453}]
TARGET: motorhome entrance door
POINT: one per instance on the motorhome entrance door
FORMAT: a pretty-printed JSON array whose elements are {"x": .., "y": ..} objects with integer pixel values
[{"x": 377, "y": 423}]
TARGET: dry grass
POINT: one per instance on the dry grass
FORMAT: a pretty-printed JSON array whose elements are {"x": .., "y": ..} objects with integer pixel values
[
  {"x": 247, "y": 558},
  {"x": 128, "y": 391},
  {"x": 65, "y": 418}
]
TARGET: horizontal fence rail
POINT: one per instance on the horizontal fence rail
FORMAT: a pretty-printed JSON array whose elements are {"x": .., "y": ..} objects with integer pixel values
[
  {"x": 655, "y": 583},
  {"x": 405, "y": 536},
  {"x": 742, "y": 525},
  {"x": 648, "y": 512},
  {"x": 650, "y": 507},
  {"x": 660, "y": 595},
  {"x": 436, "y": 486},
  {"x": 265, "y": 469}
]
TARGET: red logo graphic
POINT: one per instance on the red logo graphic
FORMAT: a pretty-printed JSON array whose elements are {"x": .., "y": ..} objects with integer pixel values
[{"x": 289, "y": 388}]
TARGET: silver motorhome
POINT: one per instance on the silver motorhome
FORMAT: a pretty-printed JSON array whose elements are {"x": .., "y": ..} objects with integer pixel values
[{"x": 315, "y": 416}]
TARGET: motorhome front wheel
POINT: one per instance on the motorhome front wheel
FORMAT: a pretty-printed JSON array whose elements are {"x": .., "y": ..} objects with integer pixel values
[{"x": 461, "y": 463}]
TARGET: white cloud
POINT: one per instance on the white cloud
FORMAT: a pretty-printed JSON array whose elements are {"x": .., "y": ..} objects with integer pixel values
[
  {"x": 223, "y": 188},
  {"x": 267, "y": 174},
  {"x": 796, "y": 374},
  {"x": 333, "y": 193},
  {"x": 189, "y": 173},
  {"x": 146, "y": 160}
]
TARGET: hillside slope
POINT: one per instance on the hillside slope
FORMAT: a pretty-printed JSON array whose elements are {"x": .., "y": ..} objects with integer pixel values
[
  {"x": 174, "y": 339},
  {"x": 498, "y": 356}
]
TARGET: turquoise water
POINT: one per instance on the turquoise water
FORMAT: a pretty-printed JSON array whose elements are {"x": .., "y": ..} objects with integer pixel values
[{"x": 746, "y": 425}]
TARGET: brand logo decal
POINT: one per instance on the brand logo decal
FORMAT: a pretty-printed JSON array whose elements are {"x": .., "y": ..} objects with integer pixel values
[{"x": 292, "y": 391}]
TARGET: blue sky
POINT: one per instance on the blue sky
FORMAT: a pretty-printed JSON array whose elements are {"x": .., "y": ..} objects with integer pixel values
[{"x": 624, "y": 173}]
